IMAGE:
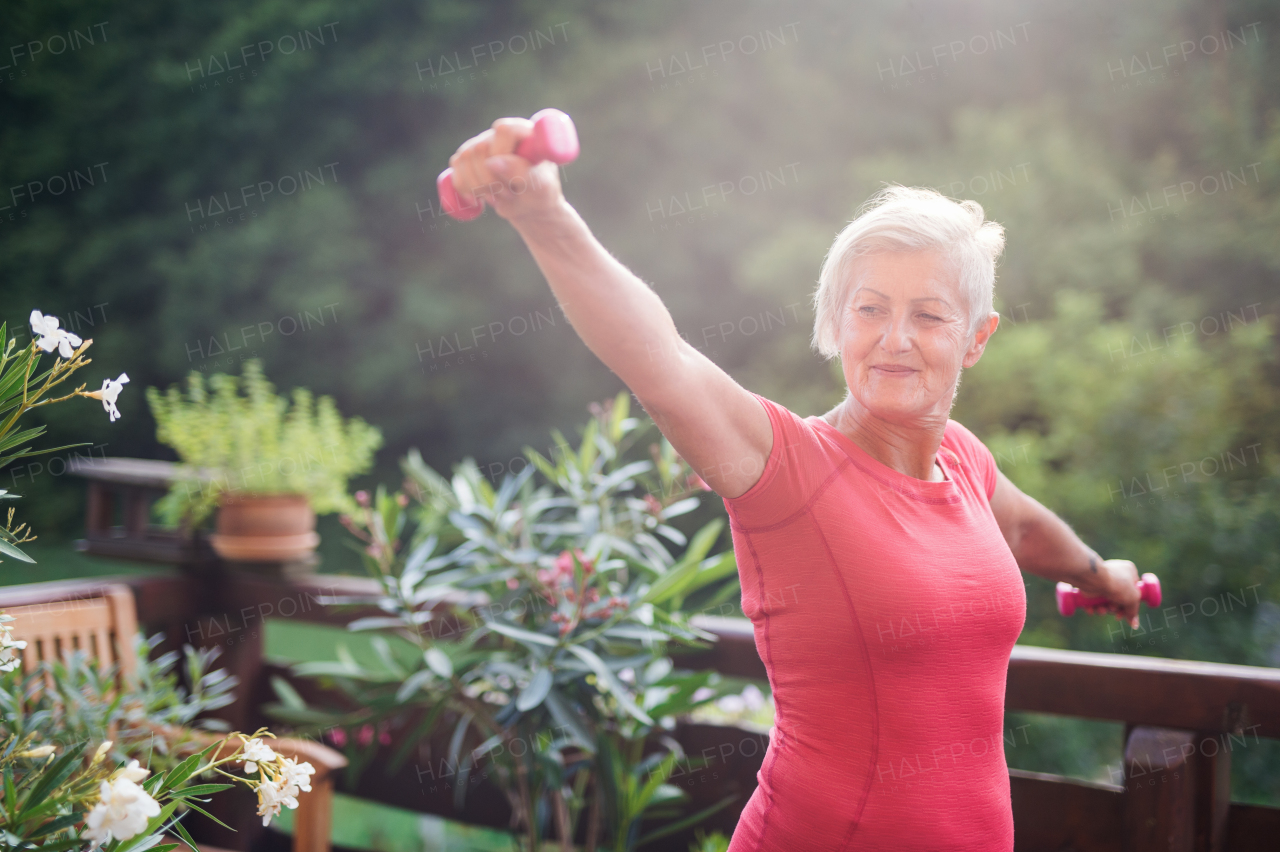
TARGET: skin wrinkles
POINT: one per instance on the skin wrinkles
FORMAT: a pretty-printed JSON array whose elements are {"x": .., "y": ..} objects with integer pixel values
[{"x": 903, "y": 342}]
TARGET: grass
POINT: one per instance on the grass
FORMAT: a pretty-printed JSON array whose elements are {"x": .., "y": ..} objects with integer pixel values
[
  {"x": 288, "y": 641},
  {"x": 61, "y": 561},
  {"x": 364, "y": 824}
]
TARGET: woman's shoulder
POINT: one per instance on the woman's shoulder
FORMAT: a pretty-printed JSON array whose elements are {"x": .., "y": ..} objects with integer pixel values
[
  {"x": 971, "y": 452},
  {"x": 797, "y": 464},
  {"x": 958, "y": 433},
  {"x": 960, "y": 439}
]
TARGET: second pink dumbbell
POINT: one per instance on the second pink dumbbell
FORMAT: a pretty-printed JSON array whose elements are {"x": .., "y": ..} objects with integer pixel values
[
  {"x": 1070, "y": 598},
  {"x": 554, "y": 138}
]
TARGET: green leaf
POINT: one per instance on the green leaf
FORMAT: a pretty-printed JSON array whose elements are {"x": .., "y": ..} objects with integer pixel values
[
  {"x": 521, "y": 635},
  {"x": 439, "y": 662},
  {"x": 413, "y": 683},
  {"x": 184, "y": 770},
  {"x": 56, "y": 772},
  {"x": 18, "y": 437},
  {"x": 182, "y": 832},
  {"x": 564, "y": 715},
  {"x": 200, "y": 790},
  {"x": 13, "y": 551},
  {"x": 680, "y": 825},
  {"x": 287, "y": 694},
  {"x": 609, "y": 681},
  {"x": 201, "y": 810},
  {"x": 533, "y": 694}
]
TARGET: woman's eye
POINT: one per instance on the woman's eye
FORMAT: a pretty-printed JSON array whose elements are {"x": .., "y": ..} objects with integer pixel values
[{"x": 931, "y": 317}]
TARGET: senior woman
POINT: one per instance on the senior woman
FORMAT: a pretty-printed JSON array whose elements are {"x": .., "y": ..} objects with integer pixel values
[{"x": 878, "y": 545}]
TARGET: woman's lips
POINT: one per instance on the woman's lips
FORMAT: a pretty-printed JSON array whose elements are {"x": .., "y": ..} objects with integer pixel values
[{"x": 894, "y": 370}]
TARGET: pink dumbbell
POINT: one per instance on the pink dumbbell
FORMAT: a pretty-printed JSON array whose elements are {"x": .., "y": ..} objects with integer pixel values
[
  {"x": 1070, "y": 598},
  {"x": 554, "y": 138}
]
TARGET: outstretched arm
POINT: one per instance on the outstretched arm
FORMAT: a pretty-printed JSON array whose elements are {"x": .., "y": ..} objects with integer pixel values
[
  {"x": 1044, "y": 545},
  {"x": 711, "y": 420}
]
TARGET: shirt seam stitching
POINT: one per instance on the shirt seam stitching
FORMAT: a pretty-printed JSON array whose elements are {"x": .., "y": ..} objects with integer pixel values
[
  {"x": 875, "y": 700},
  {"x": 795, "y": 516}
]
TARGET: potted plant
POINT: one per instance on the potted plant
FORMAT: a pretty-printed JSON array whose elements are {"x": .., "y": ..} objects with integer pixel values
[
  {"x": 574, "y": 602},
  {"x": 266, "y": 463}
]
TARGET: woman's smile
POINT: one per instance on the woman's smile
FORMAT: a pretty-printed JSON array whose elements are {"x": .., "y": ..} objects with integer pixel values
[{"x": 895, "y": 371}]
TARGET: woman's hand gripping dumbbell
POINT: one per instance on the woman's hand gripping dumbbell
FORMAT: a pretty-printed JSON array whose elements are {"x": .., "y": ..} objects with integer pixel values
[
  {"x": 1070, "y": 598},
  {"x": 512, "y": 166}
]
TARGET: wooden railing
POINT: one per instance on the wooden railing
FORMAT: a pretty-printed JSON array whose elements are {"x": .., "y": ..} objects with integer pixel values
[{"x": 1182, "y": 719}]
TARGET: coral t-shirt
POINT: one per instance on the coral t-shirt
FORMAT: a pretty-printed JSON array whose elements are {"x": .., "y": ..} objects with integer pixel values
[{"x": 885, "y": 608}]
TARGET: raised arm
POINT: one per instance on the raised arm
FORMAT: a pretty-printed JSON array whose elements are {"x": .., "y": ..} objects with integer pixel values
[{"x": 711, "y": 420}]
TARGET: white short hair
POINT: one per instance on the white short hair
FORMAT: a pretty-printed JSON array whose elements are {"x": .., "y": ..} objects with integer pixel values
[{"x": 902, "y": 218}]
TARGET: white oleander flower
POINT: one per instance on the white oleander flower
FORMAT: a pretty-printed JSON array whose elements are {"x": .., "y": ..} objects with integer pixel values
[
  {"x": 294, "y": 774},
  {"x": 51, "y": 336},
  {"x": 256, "y": 751},
  {"x": 123, "y": 811},
  {"x": 101, "y": 752},
  {"x": 133, "y": 772},
  {"x": 109, "y": 392},
  {"x": 271, "y": 796},
  {"x": 9, "y": 660}
]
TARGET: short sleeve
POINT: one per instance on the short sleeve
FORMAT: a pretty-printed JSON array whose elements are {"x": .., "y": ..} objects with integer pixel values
[
  {"x": 795, "y": 468},
  {"x": 973, "y": 454}
]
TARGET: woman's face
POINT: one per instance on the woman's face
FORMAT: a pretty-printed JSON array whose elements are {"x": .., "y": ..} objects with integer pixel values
[{"x": 904, "y": 335}]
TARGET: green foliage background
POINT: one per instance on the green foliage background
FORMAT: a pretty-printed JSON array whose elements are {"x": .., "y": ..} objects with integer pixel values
[{"x": 1061, "y": 134}]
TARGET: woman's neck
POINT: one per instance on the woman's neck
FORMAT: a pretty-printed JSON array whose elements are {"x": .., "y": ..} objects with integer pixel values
[{"x": 909, "y": 448}]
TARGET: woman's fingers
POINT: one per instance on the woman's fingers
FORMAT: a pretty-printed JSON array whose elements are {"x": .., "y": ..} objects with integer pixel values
[
  {"x": 507, "y": 134},
  {"x": 470, "y": 177},
  {"x": 486, "y": 167}
]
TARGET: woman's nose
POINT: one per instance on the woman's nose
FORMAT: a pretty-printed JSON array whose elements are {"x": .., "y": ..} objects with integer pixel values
[{"x": 897, "y": 335}]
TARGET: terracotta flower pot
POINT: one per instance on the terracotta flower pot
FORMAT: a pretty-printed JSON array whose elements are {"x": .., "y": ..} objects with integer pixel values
[{"x": 265, "y": 528}]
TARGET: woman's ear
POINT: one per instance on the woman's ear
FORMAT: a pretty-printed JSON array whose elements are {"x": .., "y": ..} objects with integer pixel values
[{"x": 980, "y": 338}]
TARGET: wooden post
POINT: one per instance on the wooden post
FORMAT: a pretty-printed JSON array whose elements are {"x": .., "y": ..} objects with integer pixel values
[
  {"x": 1211, "y": 767},
  {"x": 99, "y": 514},
  {"x": 1160, "y": 790}
]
